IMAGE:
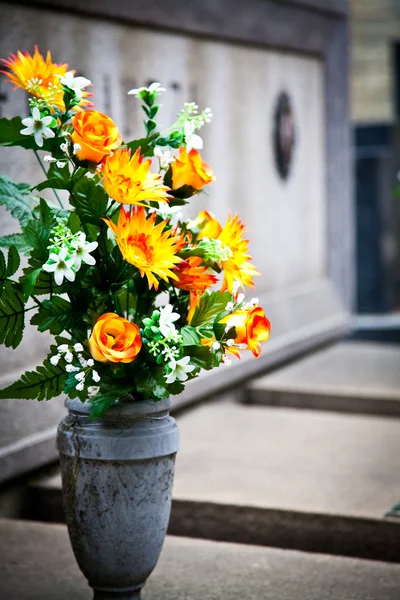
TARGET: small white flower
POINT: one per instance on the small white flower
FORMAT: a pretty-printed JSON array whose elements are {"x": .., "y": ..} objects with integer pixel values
[
  {"x": 229, "y": 306},
  {"x": 63, "y": 348},
  {"x": 64, "y": 147},
  {"x": 83, "y": 362},
  {"x": 192, "y": 139},
  {"x": 78, "y": 347},
  {"x": 229, "y": 326},
  {"x": 240, "y": 298},
  {"x": 37, "y": 126},
  {"x": 179, "y": 369},
  {"x": 80, "y": 376},
  {"x": 167, "y": 319},
  {"x": 54, "y": 359},
  {"x": 90, "y": 362},
  {"x": 61, "y": 265},
  {"x": 76, "y": 148},
  {"x": 49, "y": 159},
  {"x": 230, "y": 342},
  {"x": 61, "y": 163},
  {"x": 235, "y": 286},
  {"x": 215, "y": 345},
  {"x": 154, "y": 87},
  {"x": 254, "y": 301},
  {"x": 77, "y": 84},
  {"x": 68, "y": 357},
  {"x": 71, "y": 369},
  {"x": 165, "y": 157},
  {"x": 227, "y": 361},
  {"x": 80, "y": 387},
  {"x": 96, "y": 376},
  {"x": 92, "y": 390},
  {"x": 82, "y": 251}
]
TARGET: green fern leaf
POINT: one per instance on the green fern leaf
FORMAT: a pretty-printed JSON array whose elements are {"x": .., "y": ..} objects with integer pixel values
[
  {"x": 54, "y": 315},
  {"x": 17, "y": 240},
  {"x": 43, "y": 384},
  {"x": 17, "y": 198},
  {"x": 12, "y": 312}
]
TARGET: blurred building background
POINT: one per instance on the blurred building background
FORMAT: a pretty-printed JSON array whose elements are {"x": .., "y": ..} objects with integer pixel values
[{"x": 375, "y": 112}]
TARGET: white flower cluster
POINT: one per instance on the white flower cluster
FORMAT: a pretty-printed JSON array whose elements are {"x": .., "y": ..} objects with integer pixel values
[
  {"x": 67, "y": 253},
  {"x": 69, "y": 353},
  {"x": 190, "y": 120},
  {"x": 165, "y": 157}
]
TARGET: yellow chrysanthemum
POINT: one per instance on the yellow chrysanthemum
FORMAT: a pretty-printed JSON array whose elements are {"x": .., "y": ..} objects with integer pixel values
[
  {"x": 237, "y": 266},
  {"x": 38, "y": 76},
  {"x": 129, "y": 180},
  {"x": 147, "y": 246}
]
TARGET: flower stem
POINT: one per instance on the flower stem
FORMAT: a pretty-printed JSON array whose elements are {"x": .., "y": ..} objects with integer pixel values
[{"x": 45, "y": 172}]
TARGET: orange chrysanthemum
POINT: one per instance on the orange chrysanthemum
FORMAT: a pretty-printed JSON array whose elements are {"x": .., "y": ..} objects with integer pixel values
[
  {"x": 38, "y": 76},
  {"x": 194, "y": 278},
  {"x": 237, "y": 266},
  {"x": 147, "y": 246},
  {"x": 128, "y": 179}
]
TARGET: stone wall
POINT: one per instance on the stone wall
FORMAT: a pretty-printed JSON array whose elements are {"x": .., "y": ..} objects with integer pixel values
[{"x": 375, "y": 25}]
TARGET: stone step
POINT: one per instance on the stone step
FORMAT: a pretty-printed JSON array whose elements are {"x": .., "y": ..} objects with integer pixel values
[
  {"x": 36, "y": 563},
  {"x": 354, "y": 377},
  {"x": 307, "y": 480}
]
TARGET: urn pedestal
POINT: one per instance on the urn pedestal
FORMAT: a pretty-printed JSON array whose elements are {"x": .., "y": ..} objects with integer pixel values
[{"x": 117, "y": 475}]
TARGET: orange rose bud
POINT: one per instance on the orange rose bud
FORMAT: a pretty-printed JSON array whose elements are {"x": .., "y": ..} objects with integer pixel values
[
  {"x": 190, "y": 169},
  {"x": 96, "y": 134},
  {"x": 252, "y": 327},
  {"x": 114, "y": 339}
]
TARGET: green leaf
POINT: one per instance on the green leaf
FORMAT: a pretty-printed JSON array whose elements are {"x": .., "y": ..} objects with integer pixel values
[
  {"x": 201, "y": 357},
  {"x": 16, "y": 197},
  {"x": 44, "y": 383},
  {"x": 29, "y": 280},
  {"x": 11, "y": 315},
  {"x": 90, "y": 200},
  {"x": 54, "y": 315},
  {"x": 211, "y": 303},
  {"x": 37, "y": 232},
  {"x": 17, "y": 240},
  {"x": 190, "y": 336},
  {"x": 145, "y": 145},
  {"x": 100, "y": 403},
  {"x": 13, "y": 262},
  {"x": 53, "y": 183}
]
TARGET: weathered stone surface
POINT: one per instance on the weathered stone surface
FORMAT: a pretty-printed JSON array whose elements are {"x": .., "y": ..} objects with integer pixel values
[
  {"x": 356, "y": 377},
  {"x": 36, "y": 563}
]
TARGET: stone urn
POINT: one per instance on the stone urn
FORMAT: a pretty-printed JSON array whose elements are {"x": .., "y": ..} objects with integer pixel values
[{"x": 117, "y": 475}]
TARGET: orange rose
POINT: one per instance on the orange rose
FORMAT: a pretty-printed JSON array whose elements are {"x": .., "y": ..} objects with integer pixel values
[
  {"x": 114, "y": 339},
  {"x": 252, "y": 327},
  {"x": 190, "y": 169},
  {"x": 96, "y": 134}
]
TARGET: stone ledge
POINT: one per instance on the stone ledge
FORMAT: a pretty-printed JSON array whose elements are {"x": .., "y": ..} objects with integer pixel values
[
  {"x": 354, "y": 377},
  {"x": 36, "y": 563}
]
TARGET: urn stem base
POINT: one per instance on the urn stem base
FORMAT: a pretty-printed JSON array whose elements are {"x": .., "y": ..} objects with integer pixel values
[{"x": 116, "y": 595}]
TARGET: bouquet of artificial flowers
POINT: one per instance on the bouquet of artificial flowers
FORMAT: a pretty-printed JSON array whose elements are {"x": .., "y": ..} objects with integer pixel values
[{"x": 124, "y": 283}]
